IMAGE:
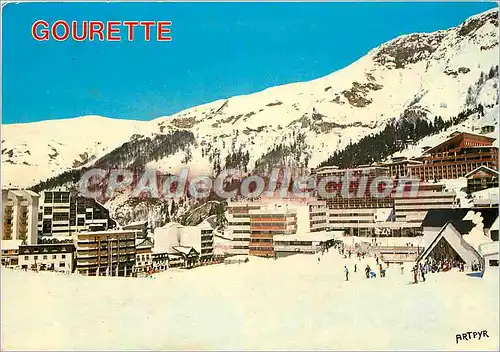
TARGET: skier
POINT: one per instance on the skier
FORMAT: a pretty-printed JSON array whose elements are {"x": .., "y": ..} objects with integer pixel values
[
  {"x": 377, "y": 260},
  {"x": 367, "y": 271},
  {"x": 402, "y": 268},
  {"x": 318, "y": 260},
  {"x": 346, "y": 273},
  {"x": 355, "y": 268},
  {"x": 415, "y": 274},
  {"x": 349, "y": 254}
]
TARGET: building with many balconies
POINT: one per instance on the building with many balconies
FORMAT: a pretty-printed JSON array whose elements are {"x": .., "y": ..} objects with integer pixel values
[
  {"x": 110, "y": 253},
  {"x": 19, "y": 215},
  {"x": 460, "y": 154}
]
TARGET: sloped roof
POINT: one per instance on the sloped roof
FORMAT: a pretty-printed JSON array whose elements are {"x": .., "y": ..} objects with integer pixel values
[
  {"x": 482, "y": 167},
  {"x": 439, "y": 217},
  {"x": 143, "y": 243},
  {"x": 463, "y": 226},
  {"x": 440, "y": 236},
  {"x": 184, "y": 249}
]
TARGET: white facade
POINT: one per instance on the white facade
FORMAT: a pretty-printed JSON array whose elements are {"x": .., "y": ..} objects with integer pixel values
[
  {"x": 58, "y": 256},
  {"x": 238, "y": 219},
  {"x": 414, "y": 209},
  {"x": 173, "y": 235},
  {"x": 20, "y": 215},
  {"x": 311, "y": 216}
]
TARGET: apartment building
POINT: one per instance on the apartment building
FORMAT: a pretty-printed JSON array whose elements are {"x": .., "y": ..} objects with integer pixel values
[
  {"x": 359, "y": 185},
  {"x": 460, "y": 154},
  {"x": 19, "y": 216},
  {"x": 318, "y": 217},
  {"x": 238, "y": 217},
  {"x": 61, "y": 214},
  {"x": 481, "y": 178},
  {"x": 268, "y": 222},
  {"x": 143, "y": 255},
  {"x": 413, "y": 208},
  {"x": 358, "y": 221},
  {"x": 311, "y": 216},
  {"x": 110, "y": 253},
  {"x": 177, "y": 239},
  {"x": 57, "y": 257},
  {"x": 399, "y": 166}
]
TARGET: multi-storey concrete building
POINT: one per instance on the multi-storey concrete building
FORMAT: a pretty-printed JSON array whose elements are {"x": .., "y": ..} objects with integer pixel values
[
  {"x": 110, "y": 253},
  {"x": 352, "y": 188},
  {"x": 318, "y": 217},
  {"x": 413, "y": 208},
  {"x": 176, "y": 239},
  {"x": 238, "y": 218},
  {"x": 455, "y": 157},
  {"x": 268, "y": 222},
  {"x": 398, "y": 166},
  {"x": 61, "y": 214},
  {"x": 19, "y": 216}
]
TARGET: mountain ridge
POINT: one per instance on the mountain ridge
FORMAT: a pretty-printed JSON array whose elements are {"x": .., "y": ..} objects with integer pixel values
[{"x": 428, "y": 74}]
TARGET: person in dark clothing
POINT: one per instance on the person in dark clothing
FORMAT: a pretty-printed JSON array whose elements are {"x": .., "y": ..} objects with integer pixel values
[
  {"x": 377, "y": 260},
  {"x": 346, "y": 273},
  {"x": 355, "y": 267},
  {"x": 367, "y": 271}
]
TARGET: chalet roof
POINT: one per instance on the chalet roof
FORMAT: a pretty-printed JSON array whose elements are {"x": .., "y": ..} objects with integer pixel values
[
  {"x": 143, "y": 243},
  {"x": 440, "y": 236},
  {"x": 455, "y": 137},
  {"x": 439, "y": 217},
  {"x": 484, "y": 168},
  {"x": 184, "y": 249}
]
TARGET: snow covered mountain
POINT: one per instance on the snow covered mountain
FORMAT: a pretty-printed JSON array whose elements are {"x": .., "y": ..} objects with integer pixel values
[{"x": 300, "y": 124}]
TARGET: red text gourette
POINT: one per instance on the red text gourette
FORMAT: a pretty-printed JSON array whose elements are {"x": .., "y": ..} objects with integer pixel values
[{"x": 102, "y": 31}]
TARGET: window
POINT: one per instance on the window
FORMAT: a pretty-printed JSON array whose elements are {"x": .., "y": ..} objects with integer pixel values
[
  {"x": 81, "y": 222},
  {"x": 62, "y": 264},
  {"x": 63, "y": 256},
  {"x": 493, "y": 262},
  {"x": 54, "y": 256},
  {"x": 48, "y": 197},
  {"x": 25, "y": 257},
  {"x": 36, "y": 257}
]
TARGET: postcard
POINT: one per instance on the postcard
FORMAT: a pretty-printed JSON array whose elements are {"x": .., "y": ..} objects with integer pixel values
[{"x": 250, "y": 176}]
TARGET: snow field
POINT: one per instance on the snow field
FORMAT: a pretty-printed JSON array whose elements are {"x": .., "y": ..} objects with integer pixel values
[{"x": 289, "y": 303}]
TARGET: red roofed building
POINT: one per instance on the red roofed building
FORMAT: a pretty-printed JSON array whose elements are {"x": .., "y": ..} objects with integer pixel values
[{"x": 456, "y": 157}]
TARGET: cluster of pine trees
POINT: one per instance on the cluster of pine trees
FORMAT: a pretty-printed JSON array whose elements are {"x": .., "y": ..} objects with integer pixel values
[
  {"x": 238, "y": 159},
  {"x": 291, "y": 155},
  {"x": 139, "y": 152},
  {"x": 396, "y": 136},
  {"x": 135, "y": 153},
  {"x": 474, "y": 90}
]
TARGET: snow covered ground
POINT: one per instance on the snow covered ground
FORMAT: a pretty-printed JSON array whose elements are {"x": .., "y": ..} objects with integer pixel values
[{"x": 291, "y": 303}]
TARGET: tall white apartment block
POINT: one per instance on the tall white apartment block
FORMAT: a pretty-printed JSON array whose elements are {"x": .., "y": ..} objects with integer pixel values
[{"x": 19, "y": 215}]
